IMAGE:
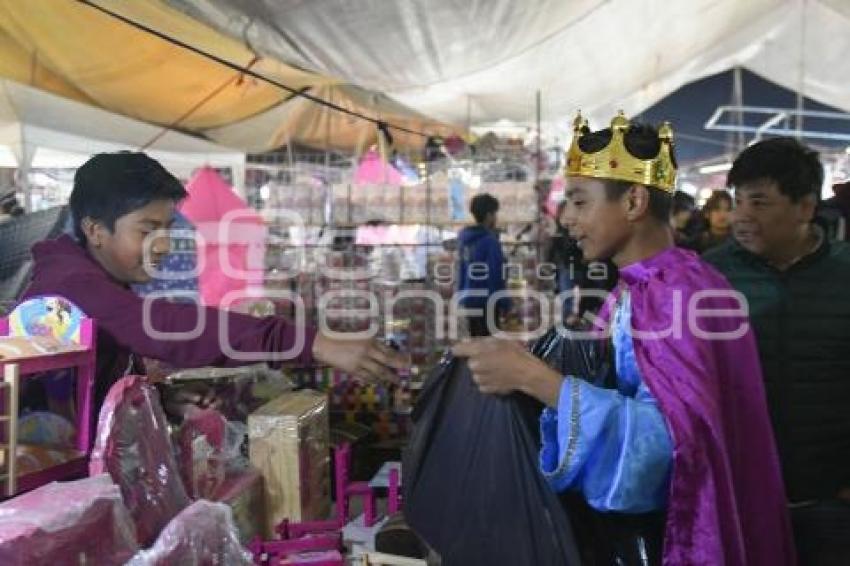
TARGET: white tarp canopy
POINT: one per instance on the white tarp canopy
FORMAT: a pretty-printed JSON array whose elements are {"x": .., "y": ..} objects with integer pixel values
[
  {"x": 483, "y": 60},
  {"x": 39, "y": 129}
]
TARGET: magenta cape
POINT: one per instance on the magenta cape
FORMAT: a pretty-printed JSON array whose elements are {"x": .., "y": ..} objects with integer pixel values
[{"x": 727, "y": 500}]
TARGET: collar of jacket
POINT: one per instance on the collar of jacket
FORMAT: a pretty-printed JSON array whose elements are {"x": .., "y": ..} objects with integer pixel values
[{"x": 812, "y": 257}]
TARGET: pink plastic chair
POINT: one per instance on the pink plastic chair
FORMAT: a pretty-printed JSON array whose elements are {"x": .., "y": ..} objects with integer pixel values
[
  {"x": 394, "y": 495},
  {"x": 344, "y": 491},
  {"x": 354, "y": 489}
]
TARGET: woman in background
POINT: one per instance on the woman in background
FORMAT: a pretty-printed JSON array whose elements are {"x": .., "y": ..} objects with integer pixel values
[{"x": 716, "y": 211}]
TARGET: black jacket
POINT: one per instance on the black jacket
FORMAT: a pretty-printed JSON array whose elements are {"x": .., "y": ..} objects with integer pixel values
[{"x": 801, "y": 318}]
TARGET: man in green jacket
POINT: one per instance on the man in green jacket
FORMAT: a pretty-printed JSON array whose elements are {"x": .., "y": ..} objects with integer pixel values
[{"x": 797, "y": 284}]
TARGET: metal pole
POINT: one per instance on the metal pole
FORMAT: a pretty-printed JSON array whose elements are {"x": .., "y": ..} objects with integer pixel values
[
  {"x": 25, "y": 164},
  {"x": 801, "y": 77},
  {"x": 289, "y": 157},
  {"x": 428, "y": 194},
  {"x": 738, "y": 100},
  {"x": 538, "y": 162},
  {"x": 326, "y": 185},
  {"x": 468, "y": 114}
]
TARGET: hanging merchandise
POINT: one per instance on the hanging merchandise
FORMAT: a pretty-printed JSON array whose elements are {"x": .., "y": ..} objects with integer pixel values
[
  {"x": 457, "y": 199},
  {"x": 411, "y": 177},
  {"x": 231, "y": 248},
  {"x": 433, "y": 148},
  {"x": 374, "y": 170}
]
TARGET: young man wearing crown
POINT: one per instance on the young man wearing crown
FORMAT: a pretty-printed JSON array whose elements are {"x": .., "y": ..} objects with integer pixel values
[{"x": 680, "y": 454}]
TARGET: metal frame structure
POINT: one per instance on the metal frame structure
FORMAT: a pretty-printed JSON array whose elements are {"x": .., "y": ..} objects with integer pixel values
[{"x": 776, "y": 116}]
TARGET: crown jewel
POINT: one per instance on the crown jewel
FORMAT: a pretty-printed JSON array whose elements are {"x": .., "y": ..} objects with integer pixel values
[{"x": 615, "y": 162}]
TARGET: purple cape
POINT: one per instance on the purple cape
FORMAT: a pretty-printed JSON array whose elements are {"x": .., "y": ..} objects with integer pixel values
[{"x": 727, "y": 500}]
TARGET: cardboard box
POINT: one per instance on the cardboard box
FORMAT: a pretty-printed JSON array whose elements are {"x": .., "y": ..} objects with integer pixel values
[{"x": 289, "y": 444}]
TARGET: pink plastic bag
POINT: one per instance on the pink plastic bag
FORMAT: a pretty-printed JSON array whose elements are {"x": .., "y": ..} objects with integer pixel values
[
  {"x": 201, "y": 441},
  {"x": 79, "y": 522},
  {"x": 203, "y": 534},
  {"x": 133, "y": 446}
]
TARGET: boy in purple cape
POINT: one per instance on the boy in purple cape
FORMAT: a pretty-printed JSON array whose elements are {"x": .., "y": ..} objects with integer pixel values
[{"x": 681, "y": 450}]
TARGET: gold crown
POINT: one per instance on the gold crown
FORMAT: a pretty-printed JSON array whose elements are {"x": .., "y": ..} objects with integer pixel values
[{"x": 615, "y": 162}]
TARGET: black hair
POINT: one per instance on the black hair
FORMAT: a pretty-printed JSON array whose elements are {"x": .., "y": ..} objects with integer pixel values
[
  {"x": 682, "y": 202},
  {"x": 794, "y": 167},
  {"x": 111, "y": 185},
  {"x": 561, "y": 206},
  {"x": 714, "y": 201},
  {"x": 482, "y": 205},
  {"x": 641, "y": 140}
]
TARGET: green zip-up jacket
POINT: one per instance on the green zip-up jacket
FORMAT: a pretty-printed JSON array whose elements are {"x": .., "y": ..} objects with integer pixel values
[{"x": 801, "y": 319}]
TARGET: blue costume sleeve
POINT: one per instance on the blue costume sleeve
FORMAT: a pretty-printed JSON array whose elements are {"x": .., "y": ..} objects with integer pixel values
[{"x": 612, "y": 445}]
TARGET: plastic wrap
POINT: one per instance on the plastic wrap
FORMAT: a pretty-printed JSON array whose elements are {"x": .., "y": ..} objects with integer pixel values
[
  {"x": 238, "y": 391},
  {"x": 203, "y": 534},
  {"x": 134, "y": 447},
  {"x": 79, "y": 522},
  {"x": 244, "y": 493},
  {"x": 289, "y": 444},
  {"x": 201, "y": 441},
  {"x": 212, "y": 467}
]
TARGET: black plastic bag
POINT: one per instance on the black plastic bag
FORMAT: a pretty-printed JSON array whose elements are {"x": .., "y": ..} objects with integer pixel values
[
  {"x": 472, "y": 486},
  {"x": 588, "y": 359}
]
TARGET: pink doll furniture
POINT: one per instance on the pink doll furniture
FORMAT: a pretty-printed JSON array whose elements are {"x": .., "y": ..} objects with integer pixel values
[{"x": 40, "y": 335}]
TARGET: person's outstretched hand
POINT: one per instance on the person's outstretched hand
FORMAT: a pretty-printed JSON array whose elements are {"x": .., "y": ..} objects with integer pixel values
[{"x": 366, "y": 359}]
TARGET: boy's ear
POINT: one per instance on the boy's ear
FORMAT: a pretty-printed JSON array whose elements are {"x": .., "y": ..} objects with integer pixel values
[
  {"x": 636, "y": 202},
  {"x": 93, "y": 231}
]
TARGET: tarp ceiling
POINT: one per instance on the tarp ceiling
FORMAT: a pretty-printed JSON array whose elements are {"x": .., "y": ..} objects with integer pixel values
[
  {"x": 485, "y": 59},
  {"x": 90, "y": 56},
  {"x": 73, "y": 50},
  {"x": 46, "y": 130},
  {"x": 318, "y": 126}
]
